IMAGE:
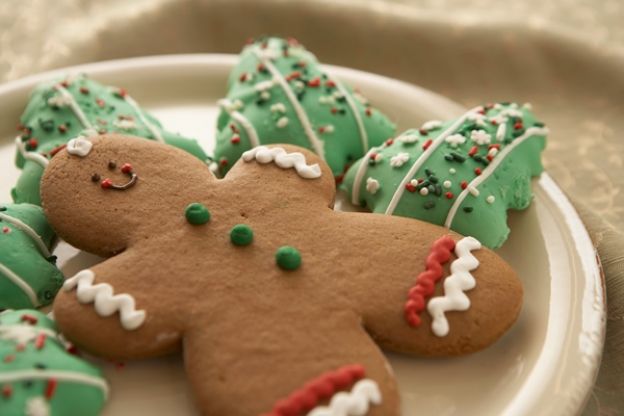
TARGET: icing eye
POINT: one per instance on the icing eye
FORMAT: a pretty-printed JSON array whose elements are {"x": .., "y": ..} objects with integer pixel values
[
  {"x": 112, "y": 164},
  {"x": 95, "y": 177},
  {"x": 80, "y": 146}
]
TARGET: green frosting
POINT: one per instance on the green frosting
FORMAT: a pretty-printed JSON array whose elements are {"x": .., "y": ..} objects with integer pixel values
[
  {"x": 28, "y": 274},
  {"x": 257, "y": 104},
  {"x": 52, "y": 118},
  {"x": 197, "y": 214},
  {"x": 241, "y": 235},
  {"x": 35, "y": 371},
  {"x": 500, "y": 144},
  {"x": 288, "y": 258}
]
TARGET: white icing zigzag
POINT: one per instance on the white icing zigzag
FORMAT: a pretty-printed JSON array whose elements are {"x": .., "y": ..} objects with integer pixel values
[
  {"x": 455, "y": 285},
  {"x": 355, "y": 403},
  {"x": 284, "y": 160},
  {"x": 104, "y": 301}
]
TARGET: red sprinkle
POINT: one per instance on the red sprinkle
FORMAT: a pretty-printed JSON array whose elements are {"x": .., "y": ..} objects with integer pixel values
[
  {"x": 477, "y": 171},
  {"x": 243, "y": 77},
  {"x": 20, "y": 347},
  {"x": 106, "y": 183},
  {"x": 7, "y": 390},
  {"x": 72, "y": 349},
  {"x": 122, "y": 92},
  {"x": 29, "y": 318},
  {"x": 57, "y": 149},
  {"x": 464, "y": 184},
  {"x": 449, "y": 195},
  {"x": 50, "y": 388},
  {"x": 234, "y": 128},
  {"x": 316, "y": 390},
  {"x": 518, "y": 125},
  {"x": 321, "y": 129},
  {"x": 65, "y": 84},
  {"x": 334, "y": 110},
  {"x": 62, "y": 128},
  {"x": 330, "y": 84},
  {"x": 40, "y": 341},
  {"x": 314, "y": 82},
  {"x": 9, "y": 358},
  {"x": 410, "y": 187},
  {"x": 235, "y": 139},
  {"x": 293, "y": 75},
  {"x": 126, "y": 168},
  {"x": 100, "y": 102},
  {"x": 261, "y": 67},
  {"x": 6, "y": 230},
  {"x": 494, "y": 146},
  {"x": 489, "y": 157},
  {"x": 493, "y": 122},
  {"x": 426, "y": 144},
  {"x": 84, "y": 90},
  {"x": 423, "y": 132},
  {"x": 439, "y": 254},
  {"x": 368, "y": 112},
  {"x": 223, "y": 162},
  {"x": 473, "y": 151},
  {"x": 389, "y": 142}
]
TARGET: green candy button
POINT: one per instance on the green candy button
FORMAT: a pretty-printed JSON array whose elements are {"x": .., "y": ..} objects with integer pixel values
[
  {"x": 197, "y": 214},
  {"x": 241, "y": 235},
  {"x": 288, "y": 258}
]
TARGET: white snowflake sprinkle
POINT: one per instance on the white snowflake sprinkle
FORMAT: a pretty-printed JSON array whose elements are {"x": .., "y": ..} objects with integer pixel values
[
  {"x": 282, "y": 122},
  {"x": 60, "y": 100},
  {"x": 372, "y": 185},
  {"x": 399, "y": 159},
  {"x": 278, "y": 108},
  {"x": 455, "y": 140},
  {"x": 477, "y": 118},
  {"x": 408, "y": 138},
  {"x": 431, "y": 125},
  {"x": 511, "y": 112},
  {"x": 480, "y": 137}
]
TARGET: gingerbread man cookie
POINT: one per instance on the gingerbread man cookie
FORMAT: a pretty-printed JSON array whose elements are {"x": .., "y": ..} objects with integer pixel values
[{"x": 279, "y": 303}]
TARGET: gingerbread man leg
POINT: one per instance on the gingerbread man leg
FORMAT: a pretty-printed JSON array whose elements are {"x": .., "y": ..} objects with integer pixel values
[{"x": 261, "y": 364}]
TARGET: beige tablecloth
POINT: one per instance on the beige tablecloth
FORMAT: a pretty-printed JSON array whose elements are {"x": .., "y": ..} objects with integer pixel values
[{"x": 564, "y": 56}]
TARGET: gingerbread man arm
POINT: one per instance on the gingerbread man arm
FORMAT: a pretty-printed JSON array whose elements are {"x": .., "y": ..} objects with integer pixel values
[
  {"x": 263, "y": 364},
  {"x": 393, "y": 268}
]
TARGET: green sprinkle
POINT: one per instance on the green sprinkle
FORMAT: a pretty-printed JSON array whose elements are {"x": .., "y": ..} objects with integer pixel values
[
  {"x": 288, "y": 258},
  {"x": 241, "y": 235},
  {"x": 450, "y": 158},
  {"x": 428, "y": 172},
  {"x": 458, "y": 157},
  {"x": 538, "y": 124},
  {"x": 468, "y": 210},
  {"x": 197, "y": 214},
  {"x": 47, "y": 125},
  {"x": 429, "y": 204},
  {"x": 518, "y": 132},
  {"x": 438, "y": 190},
  {"x": 433, "y": 179}
]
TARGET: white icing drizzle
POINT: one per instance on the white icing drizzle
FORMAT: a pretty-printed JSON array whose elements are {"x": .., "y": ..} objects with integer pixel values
[
  {"x": 25, "y": 228},
  {"x": 455, "y": 285},
  {"x": 59, "y": 375},
  {"x": 79, "y": 146},
  {"x": 356, "y": 115},
  {"x": 32, "y": 156},
  {"x": 252, "y": 134},
  {"x": 398, "y": 193},
  {"x": 151, "y": 127},
  {"x": 21, "y": 283},
  {"x": 359, "y": 176},
  {"x": 284, "y": 160},
  {"x": 22, "y": 333},
  {"x": 104, "y": 301},
  {"x": 355, "y": 403},
  {"x": 37, "y": 406},
  {"x": 489, "y": 170},
  {"x": 73, "y": 104},
  {"x": 317, "y": 144}
]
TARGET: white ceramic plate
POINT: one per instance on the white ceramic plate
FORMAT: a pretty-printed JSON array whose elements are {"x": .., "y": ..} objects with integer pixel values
[{"x": 545, "y": 365}]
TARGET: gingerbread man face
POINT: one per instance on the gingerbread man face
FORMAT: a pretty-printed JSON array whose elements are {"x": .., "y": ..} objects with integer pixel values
[{"x": 279, "y": 303}]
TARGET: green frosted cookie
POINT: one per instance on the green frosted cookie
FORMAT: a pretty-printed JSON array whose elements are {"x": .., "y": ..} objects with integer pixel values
[
  {"x": 38, "y": 377},
  {"x": 61, "y": 110},
  {"x": 464, "y": 174},
  {"x": 29, "y": 277},
  {"x": 279, "y": 93}
]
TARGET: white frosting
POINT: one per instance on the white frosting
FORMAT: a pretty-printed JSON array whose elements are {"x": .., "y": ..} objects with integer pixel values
[
  {"x": 37, "y": 406},
  {"x": 231, "y": 108},
  {"x": 489, "y": 170},
  {"x": 359, "y": 176},
  {"x": 59, "y": 375},
  {"x": 356, "y": 114},
  {"x": 355, "y": 403},
  {"x": 150, "y": 126},
  {"x": 372, "y": 185},
  {"x": 22, "y": 333},
  {"x": 398, "y": 193},
  {"x": 455, "y": 285},
  {"x": 73, "y": 104},
  {"x": 399, "y": 159},
  {"x": 22, "y": 226},
  {"x": 104, "y": 301},
  {"x": 317, "y": 144},
  {"x": 32, "y": 156},
  {"x": 284, "y": 160},
  {"x": 21, "y": 283},
  {"x": 80, "y": 146}
]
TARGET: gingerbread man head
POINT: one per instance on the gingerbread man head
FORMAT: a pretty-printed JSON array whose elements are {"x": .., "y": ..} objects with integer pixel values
[{"x": 279, "y": 303}]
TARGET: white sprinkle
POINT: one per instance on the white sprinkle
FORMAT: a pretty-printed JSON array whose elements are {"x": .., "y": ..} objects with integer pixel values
[
  {"x": 282, "y": 122},
  {"x": 326, "y": 99},
  {"x": 408, "y": 138},
  {"x": 372, "y": 185},
  {"x": 447, "y": 184},
  {"x": 265, "y": 95},
  {"x": 37, "y": 406},
  {"x": 125, "y": 124},
  {"x": 452, "y": 171},
  {"x": 60, "y": 100},
  {"x": 477, "y": 118},
  {"x": 326, "y": 129},
  {"x": 399, "y": 159},
  {"x": 431, "y": 125},
  {"x": 264, "y": 85},
  {"x": 278, "y": 108},
  {"x": 490, "y": 199},
  {"x": 298, "y": 86},
  {"x": 473, "y": 191},
  {"x": 414, "y": 182},
  {"x": 424, "y": 191},
  {"x": 493, "y": 152},
  {"x": 480, "y": 137},
  {"x": 455, "y": 139},
  {"x": 527, "y": 106}
]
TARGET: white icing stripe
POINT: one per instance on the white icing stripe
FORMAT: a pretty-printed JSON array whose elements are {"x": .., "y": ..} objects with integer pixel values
[
  {"x": 252, "y": 134},
  {"x": 355, "y": 403},
  {"x": 398, "y": 193},
  {"x": 284, "y": 160},
  {"x": 359, "y": 176},
  {"x": 59, "y": 375},
  {"x": 21, "y": 283},
  {"x": 104, "y": 301},
  {"x": 23, "y": 333},
  {"x": 32, "y": 156},
  {"x": 317, "y": 145},
  {"x": 356, "y": 115},
  {"x": 455, "y": 285},
  {"x": 74, "y": 106},
  {"x": 152, "y": 128},
  {"x": 22, "y": 226},
  {"x": 489, "y": 170}
]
